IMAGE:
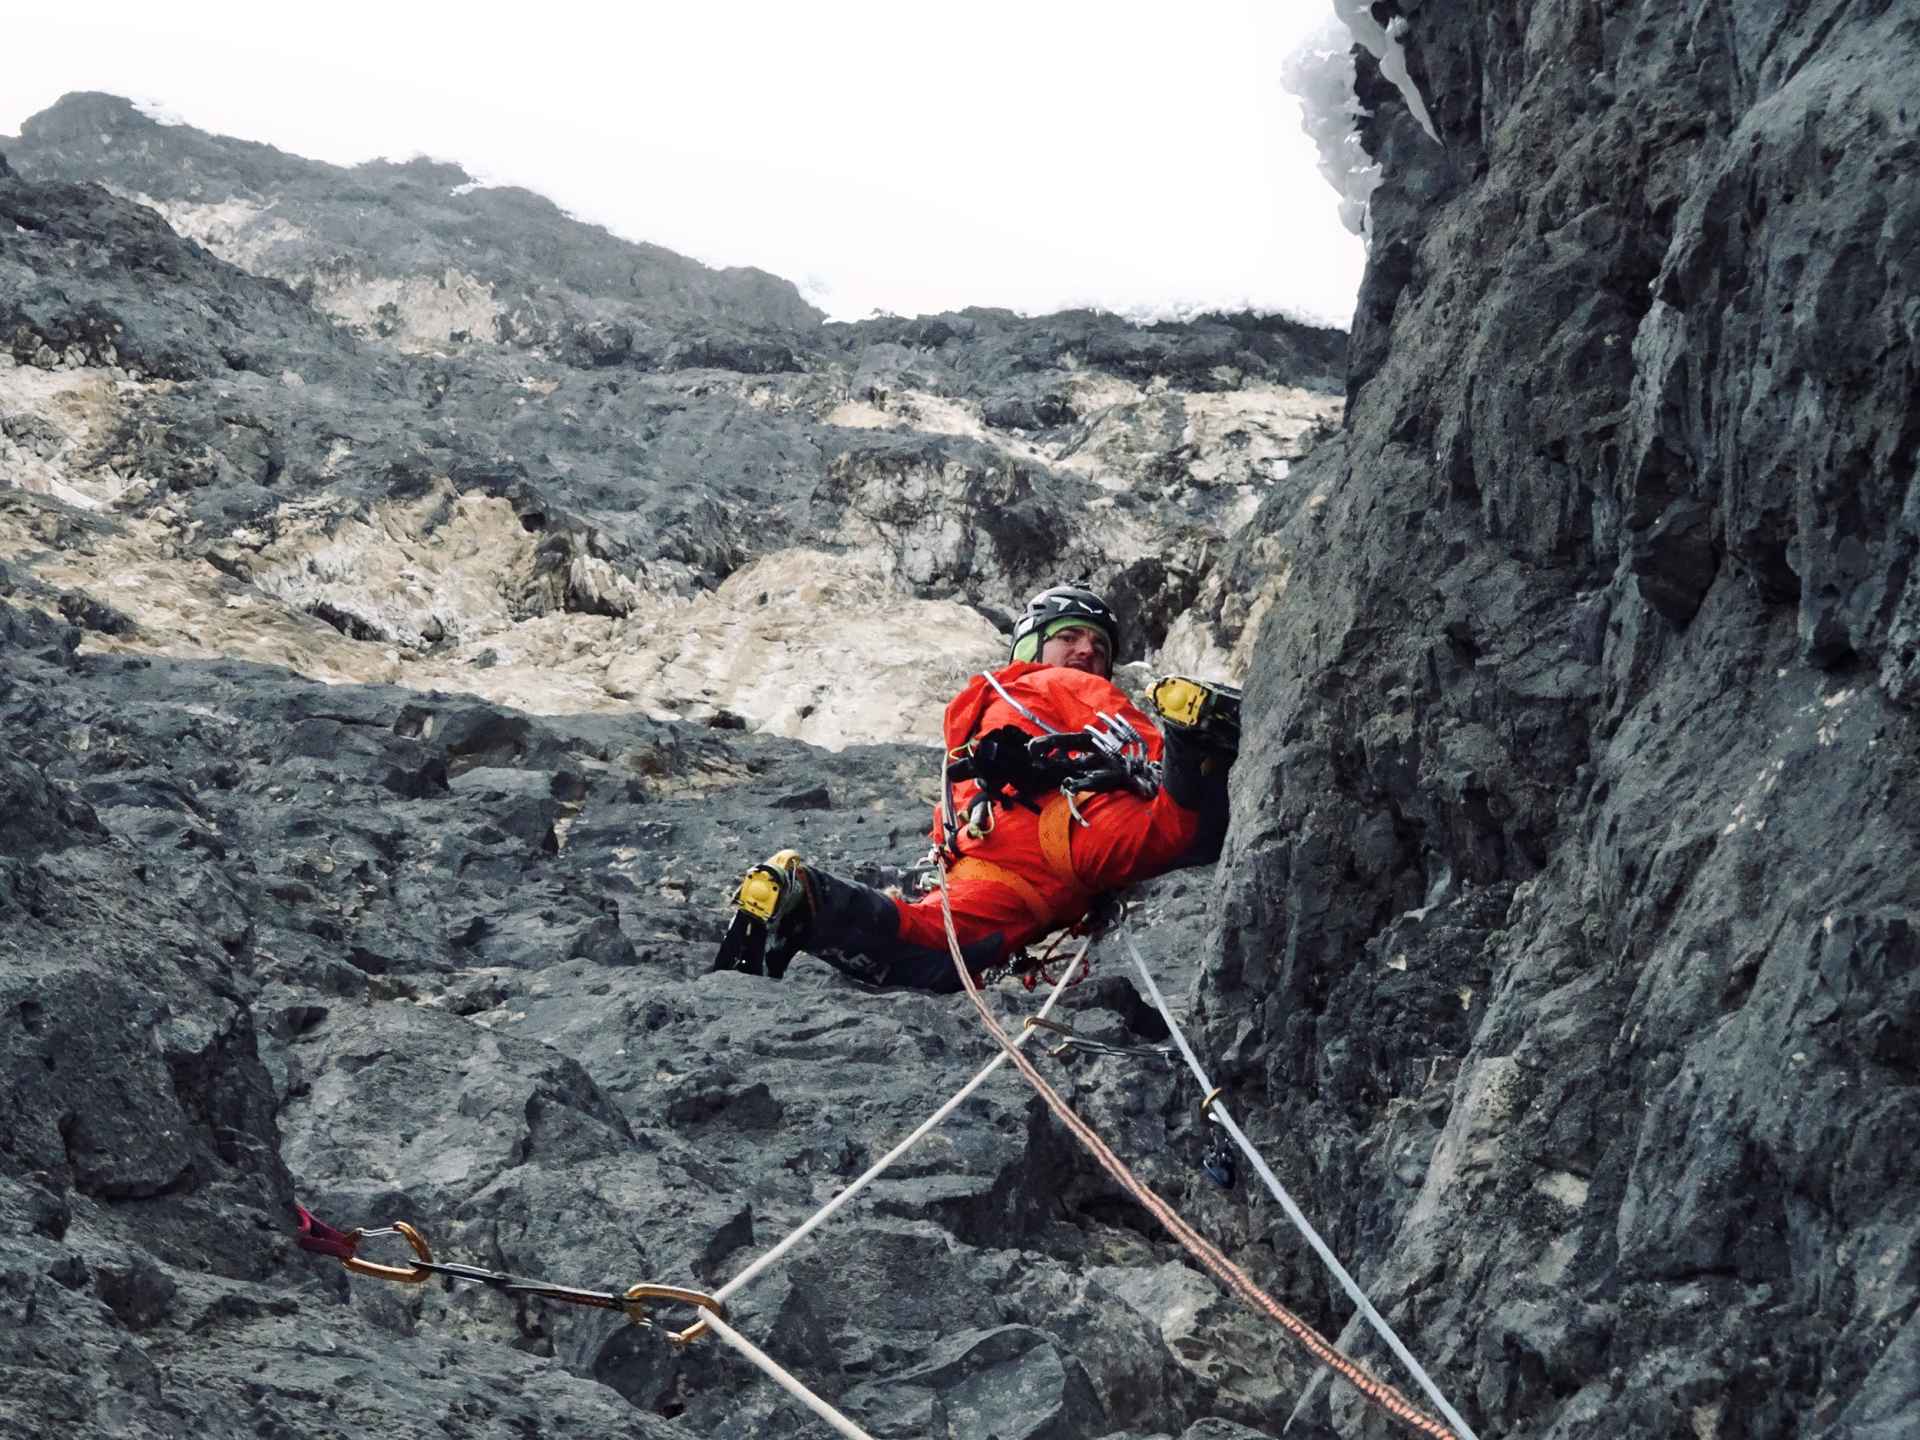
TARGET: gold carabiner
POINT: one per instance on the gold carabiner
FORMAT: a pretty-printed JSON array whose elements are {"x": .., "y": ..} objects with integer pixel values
[
  {"x": 1208, "y": 1103},
  {"x": 635, "y": 1302},
  {"x": 411, "y": 1274}
]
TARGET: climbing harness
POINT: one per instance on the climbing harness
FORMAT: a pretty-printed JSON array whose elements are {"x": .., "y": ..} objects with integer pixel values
[
  {"x": 323, "y": 1239},
  {"x": 1035, "y": 973},
  {"x": 1214, "y": 1111},
  {"x": 1012, "y": 767},
  {"x": 1103, "y": 913}
]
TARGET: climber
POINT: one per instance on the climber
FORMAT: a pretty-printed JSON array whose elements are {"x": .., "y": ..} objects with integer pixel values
[{"x": 1059, "y": 791}]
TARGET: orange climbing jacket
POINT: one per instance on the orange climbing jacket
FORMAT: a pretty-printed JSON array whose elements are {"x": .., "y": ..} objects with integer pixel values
[{"x": 1029, "y": 873}]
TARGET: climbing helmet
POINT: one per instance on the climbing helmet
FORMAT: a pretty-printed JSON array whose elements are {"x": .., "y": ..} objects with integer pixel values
[{"x": 1056, "y": 608}]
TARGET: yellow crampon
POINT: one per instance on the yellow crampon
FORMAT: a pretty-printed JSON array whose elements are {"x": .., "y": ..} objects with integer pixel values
[
  {"x": 1202, "y": 708},
  {"x": 766, "y": 884},
  {"x": 1179, "y": 699}
]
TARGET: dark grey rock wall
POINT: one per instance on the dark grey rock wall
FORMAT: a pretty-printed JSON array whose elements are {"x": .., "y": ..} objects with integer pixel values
[{"x": 1566, "y": 946}]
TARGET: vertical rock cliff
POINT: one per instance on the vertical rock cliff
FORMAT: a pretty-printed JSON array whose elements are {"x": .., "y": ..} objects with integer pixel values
[{"x": 1566, "y": 943}]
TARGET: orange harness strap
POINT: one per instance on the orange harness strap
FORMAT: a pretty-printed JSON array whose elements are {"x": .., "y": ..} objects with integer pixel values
[
  {"x": 1056, "y": 846},
  {"x": 1056, "y": 837},
  {"x": 971, "y": 867}
]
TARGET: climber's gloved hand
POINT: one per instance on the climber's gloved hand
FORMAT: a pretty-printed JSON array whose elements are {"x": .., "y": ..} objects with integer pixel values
[{"x": 1001, "y": 761}]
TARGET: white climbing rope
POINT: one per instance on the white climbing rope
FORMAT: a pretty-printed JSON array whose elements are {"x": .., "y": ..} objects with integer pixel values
[
  {"x": 874, "y": 1171},
  {"x": 1320, "y": 1248},
  {"x": 785, "y": 1380}
]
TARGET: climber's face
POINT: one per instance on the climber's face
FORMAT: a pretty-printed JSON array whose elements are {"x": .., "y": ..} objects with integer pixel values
[{"x": 1080, "y": 647}]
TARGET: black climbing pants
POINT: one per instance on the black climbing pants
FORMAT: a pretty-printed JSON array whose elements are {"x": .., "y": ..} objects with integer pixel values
[{"x": 856, "y": 929}]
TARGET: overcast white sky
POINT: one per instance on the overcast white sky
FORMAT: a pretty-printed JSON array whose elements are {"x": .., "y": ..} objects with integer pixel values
[{"x": 879, "y": 153}]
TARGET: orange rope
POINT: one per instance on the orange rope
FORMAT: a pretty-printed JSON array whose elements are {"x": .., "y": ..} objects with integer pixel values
[{"x": 1232, "y": 1276}]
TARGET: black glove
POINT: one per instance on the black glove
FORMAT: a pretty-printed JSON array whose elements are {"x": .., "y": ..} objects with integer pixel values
[{"x": 1002, "y": 762}]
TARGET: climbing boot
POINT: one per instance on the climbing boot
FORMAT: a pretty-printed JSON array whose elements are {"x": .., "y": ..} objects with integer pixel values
[
  {"x": 1202, "y": 731},
  {"x": 1199, "y": 709},
  {"x": 771, "y": 909},
  {"x": 774, "y": 890}
]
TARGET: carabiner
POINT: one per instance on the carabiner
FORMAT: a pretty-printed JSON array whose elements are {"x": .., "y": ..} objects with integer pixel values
[
  {"x": 411, "y": 1274},
  {"x": 635, "y": 1302}
]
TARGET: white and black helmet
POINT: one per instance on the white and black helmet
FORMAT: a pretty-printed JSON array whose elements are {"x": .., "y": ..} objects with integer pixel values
[{"x": 1054, "y": 609}]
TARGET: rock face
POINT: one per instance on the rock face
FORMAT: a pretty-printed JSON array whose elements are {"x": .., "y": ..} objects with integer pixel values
[
  {"x": 390, "y": 705},
  {"x": 1565, "y": 950},
  {"x": 392, "y": 701},
  {"x": 543, "y": 514}
]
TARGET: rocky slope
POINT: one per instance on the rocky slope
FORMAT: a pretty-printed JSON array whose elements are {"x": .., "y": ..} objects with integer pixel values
[
  {"x": 522, "y": 515},
  {"x": 389, "y": 711},
  {"x": 389, "y": 703}
]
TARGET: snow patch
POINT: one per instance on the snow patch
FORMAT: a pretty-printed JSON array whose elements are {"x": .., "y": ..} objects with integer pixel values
[
  {"x": 159, "y": 113},
  {"x": 1388, "y": 46},
  {"x": 1320, "y": 74},
  {"x": 1184, "y": 311}
]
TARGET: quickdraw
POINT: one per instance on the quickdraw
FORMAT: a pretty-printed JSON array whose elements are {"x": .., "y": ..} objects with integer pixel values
[
  {"x": 343, "y": 1245},
  {"x": 1071, "y": 1040}
]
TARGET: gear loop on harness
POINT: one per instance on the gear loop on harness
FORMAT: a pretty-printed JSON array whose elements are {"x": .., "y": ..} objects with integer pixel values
[{"x": 1012, "y": 766}]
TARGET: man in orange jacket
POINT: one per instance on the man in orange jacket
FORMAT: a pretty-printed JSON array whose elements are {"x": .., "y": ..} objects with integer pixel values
[{"x": 1065, "y": 792}]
